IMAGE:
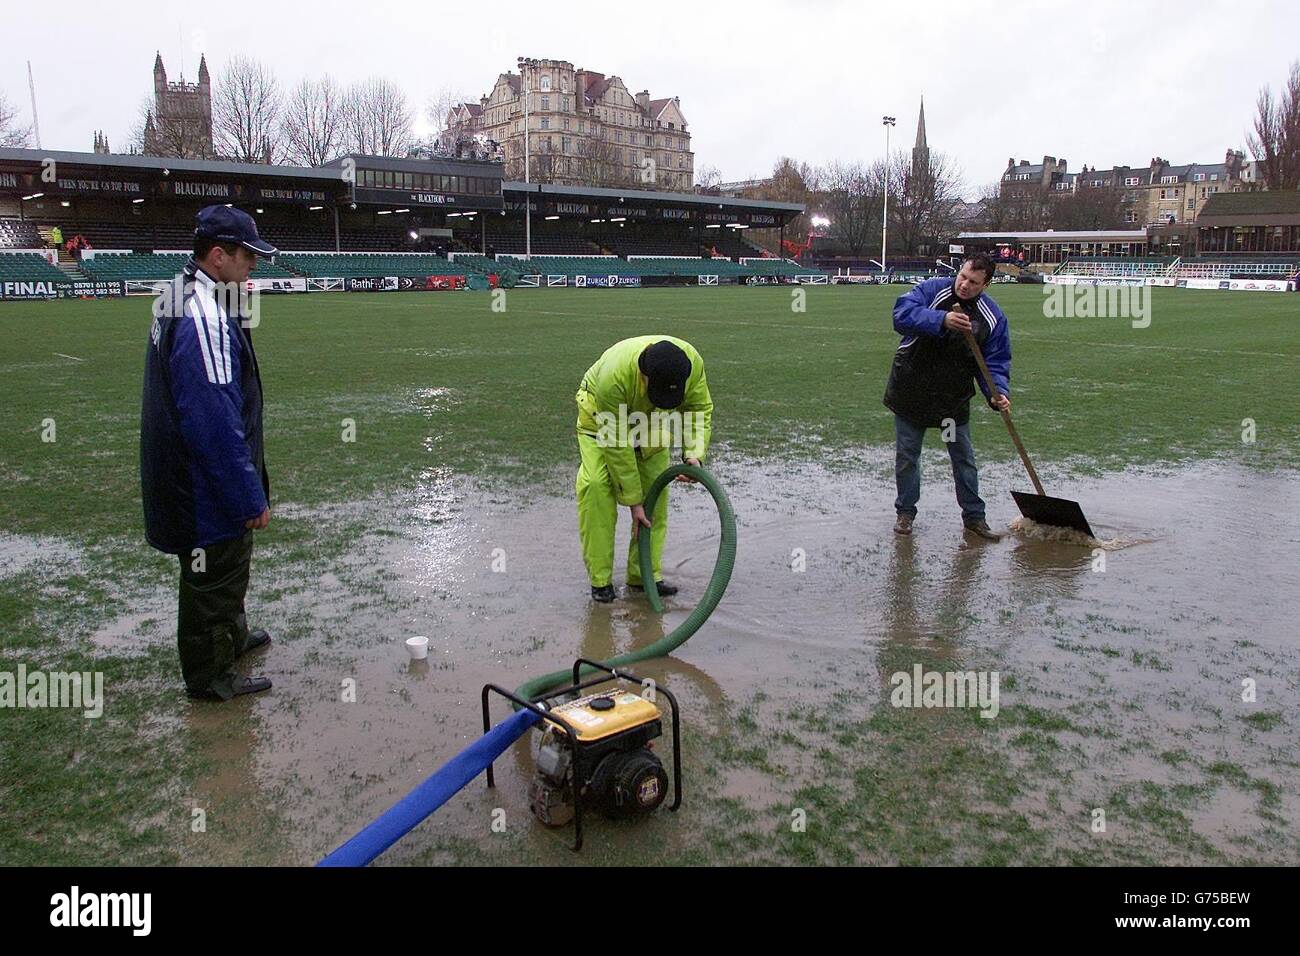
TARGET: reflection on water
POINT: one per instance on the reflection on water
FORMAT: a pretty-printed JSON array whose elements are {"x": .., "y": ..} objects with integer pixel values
[{"x": 823, "y": 596}]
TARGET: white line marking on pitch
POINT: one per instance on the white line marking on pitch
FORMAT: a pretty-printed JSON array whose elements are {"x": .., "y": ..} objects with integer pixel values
[{"x": 73, "y": 357}]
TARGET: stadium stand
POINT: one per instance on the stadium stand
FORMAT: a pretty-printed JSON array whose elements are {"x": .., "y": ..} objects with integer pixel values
[
  {"x": 147, "y": 237},
  {"x": 19, "y": 234},
  {"x": 28, "y": 267},
  {"x": 1256, "y": 267},
  {"x": 655, "y": 266},
  {"x": 350, "y": 266},
  {"x": 730, "y": 245},
  {"x": 544, "y": 241},
  {"x": 145, "y": 266},
  {"x": 653, "y": 246},
  {"x": 1115, "y": 268}
]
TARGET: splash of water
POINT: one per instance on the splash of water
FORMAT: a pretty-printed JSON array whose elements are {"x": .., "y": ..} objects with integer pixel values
[{"x": 1031, "y": 530}]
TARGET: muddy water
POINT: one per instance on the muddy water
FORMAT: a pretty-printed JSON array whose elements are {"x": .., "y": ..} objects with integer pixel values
[{"x": 1146, "y": 651}]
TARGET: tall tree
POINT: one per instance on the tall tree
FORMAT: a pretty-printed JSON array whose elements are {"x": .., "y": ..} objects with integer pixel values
[
  {"x": 1275, "y": 142},
  {"x": 246, "y": 113},
  {"x": 850, "y": 197},
  {"x": 708, "y": 177},
  {"x": 12, "y": 133},
  {"x": 921, "y": 201},
  {"x": 377, "y": 121},
  {"x": 312, "y": 124}
]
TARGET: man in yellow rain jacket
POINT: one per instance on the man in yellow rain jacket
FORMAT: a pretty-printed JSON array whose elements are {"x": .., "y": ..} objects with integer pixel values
[{"x": 642, "y": 397}]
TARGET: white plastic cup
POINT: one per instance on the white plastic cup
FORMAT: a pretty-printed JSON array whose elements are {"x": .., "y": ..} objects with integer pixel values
[{"x": 418, "y": 647}]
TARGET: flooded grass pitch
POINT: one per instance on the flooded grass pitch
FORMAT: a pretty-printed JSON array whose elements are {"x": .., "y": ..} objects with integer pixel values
[{"x": 1150, "y": 675}]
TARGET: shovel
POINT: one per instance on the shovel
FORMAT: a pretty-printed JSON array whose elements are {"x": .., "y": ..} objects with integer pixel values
[{"x": 1039, "y": 507}]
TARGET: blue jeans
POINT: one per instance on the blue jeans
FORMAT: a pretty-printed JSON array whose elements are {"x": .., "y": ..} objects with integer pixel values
[{"x": 907, "y": 469}]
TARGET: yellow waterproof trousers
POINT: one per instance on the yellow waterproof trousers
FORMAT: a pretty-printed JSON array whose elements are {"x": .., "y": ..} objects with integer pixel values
[{"x": 598, "y": 513}]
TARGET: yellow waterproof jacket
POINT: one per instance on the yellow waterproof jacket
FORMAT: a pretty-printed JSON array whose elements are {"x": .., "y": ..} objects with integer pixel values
[{"x": 614, "y": 409}]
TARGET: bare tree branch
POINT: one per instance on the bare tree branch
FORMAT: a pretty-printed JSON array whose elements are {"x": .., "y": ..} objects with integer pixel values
[
  {"x": 11, "y": 133},
  {"x": 246, "y": 113},
  {"x": 1275, "y": 142},
  {"x": 377, "y": 121},
  {"x": 313, "y": 122}
]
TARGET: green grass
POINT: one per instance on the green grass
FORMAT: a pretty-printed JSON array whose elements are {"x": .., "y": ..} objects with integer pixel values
[
  {"x": 442, "y": 383},
  {"x": 438, "y": 381}
]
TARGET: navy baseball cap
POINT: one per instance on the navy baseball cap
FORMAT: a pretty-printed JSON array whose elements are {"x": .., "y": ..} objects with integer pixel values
[
  {"x": 666, "y": 369},
  {"x": 228, "y": 224}
]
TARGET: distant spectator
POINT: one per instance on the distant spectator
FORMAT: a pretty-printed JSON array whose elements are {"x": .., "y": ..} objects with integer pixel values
[{"x": 56, "y": 237}]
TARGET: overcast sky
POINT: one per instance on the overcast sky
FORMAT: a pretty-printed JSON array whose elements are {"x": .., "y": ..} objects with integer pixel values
[{"x": 1098, "y": 83}]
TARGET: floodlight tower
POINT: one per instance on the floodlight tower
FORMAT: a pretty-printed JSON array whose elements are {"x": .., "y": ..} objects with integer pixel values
[{"x": 887, "y": 121}]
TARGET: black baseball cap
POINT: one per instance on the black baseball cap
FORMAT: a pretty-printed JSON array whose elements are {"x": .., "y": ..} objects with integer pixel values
[
  {"x": 667, "y": 368},
  {"x": 228, "y": 224}
]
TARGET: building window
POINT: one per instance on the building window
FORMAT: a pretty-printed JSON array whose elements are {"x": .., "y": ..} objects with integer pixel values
[
  {"x": 1133, "y": 181},
  {"x": 546, "y": 122},
  {"x": 566, "y": 122},
  {"x": 546, "y": 102},
  {"x": 546, "y": 81},
  {"x": 1213, "y": 177},
  {"x": 1199, "y": 178},
  {"x": 564, "y": 145},
  {"x": 582, "y": 126},
  {"x": 1168, "y": 179}
]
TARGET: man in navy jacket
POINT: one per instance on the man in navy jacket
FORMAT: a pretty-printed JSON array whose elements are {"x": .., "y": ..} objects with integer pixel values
[
  {"x": 931, "y": 382},
  {"x": 202, "y": 473}
]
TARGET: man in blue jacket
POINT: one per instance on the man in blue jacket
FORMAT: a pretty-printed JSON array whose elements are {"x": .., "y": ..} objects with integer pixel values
[
  {"x": 931, "y": 382},
  {"x": 202, "y": 473}
]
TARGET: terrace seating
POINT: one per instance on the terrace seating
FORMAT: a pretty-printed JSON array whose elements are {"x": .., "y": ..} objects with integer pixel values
[
  {"x": 1206, "y": 267},
  {"x": 729, "y": 245},
  {"x": 1114, "y": 268},
  {"x": 651, "y": 246},
  {"x": 28, "y": 267},
  {"x": 359, "y": 265},
  {"x": 19, "y": 234},
  {"x": 545, "y": 241},
  {"x": 147, "y": 266}
]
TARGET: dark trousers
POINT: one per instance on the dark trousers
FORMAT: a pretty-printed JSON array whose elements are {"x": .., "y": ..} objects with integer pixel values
[{"x": 211, "y": 627}]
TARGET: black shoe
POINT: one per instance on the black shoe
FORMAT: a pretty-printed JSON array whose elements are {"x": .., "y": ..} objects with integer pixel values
[
  {"x": 904, "y": 524},
  {"x": 240, "y": 685},
  {"x": 981, "y": 528},
  {"x": 665, "y": 590},
  {"x": 256, "y": 639},
  {"x": 604, "y": 595}
]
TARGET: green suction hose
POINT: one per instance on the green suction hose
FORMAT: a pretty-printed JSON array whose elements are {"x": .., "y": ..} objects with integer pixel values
[{"x": 712, "y": 594}]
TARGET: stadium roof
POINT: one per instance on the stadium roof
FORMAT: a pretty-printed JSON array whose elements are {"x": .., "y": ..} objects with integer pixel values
[
  {"x": 1269, "y": 207},
  {"x": 158, "y": 164},
  {"x": 417, "y": 164},
  {"x": 787, "y": 209},
  {"x": 1051, "y": 235}
]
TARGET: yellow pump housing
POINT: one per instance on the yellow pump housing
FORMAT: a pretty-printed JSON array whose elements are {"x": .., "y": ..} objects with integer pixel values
[{"x": 595, "y": 720}]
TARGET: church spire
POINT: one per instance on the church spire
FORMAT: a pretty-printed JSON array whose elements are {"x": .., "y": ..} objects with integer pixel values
[{"x": 920, "y": 127}]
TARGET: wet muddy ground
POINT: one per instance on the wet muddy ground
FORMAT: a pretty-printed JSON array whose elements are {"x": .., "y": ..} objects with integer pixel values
[{"x": 1120, "y": 670}]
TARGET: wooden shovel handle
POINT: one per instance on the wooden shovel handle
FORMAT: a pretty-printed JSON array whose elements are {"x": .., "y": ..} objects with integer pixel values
[{"x": 1006, "y": 415}]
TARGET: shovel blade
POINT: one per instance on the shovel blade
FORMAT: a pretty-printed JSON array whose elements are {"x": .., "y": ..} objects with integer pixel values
[{"x": 1059, "y": 512}]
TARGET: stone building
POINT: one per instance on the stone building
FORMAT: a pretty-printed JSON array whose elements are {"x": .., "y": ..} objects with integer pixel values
[{"x": 585, "y": 128}]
